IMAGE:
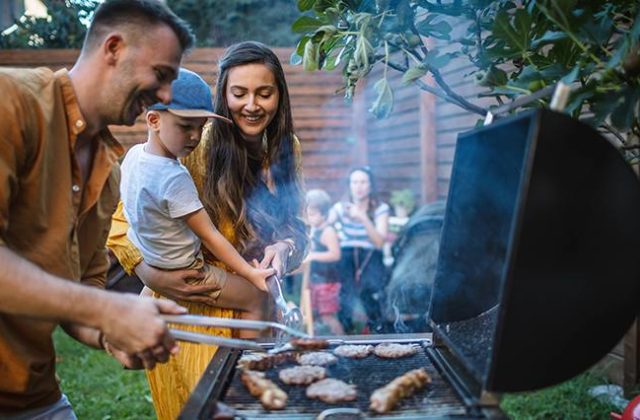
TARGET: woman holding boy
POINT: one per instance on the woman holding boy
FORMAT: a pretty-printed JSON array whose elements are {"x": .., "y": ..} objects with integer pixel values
[{"x": 248, "y": 178}]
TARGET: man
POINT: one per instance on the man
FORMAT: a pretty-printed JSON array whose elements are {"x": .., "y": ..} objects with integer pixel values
[{"x": 58, "y": 187}]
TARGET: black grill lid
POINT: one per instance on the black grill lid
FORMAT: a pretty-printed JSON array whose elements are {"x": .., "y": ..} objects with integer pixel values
[{"x": 538, "y": 274}]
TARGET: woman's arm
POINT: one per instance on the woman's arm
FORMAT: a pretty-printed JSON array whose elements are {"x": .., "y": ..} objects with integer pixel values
[{"x": 377, "y": 231}]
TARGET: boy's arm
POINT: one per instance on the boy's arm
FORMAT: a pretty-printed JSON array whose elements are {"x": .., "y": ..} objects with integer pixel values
[
  {"x": 329, "y": 238},
  {"x": 200, "y": 223}
]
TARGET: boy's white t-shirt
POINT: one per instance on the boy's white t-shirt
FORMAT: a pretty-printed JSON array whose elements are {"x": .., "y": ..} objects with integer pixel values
[{"x": 156, "y": 192}]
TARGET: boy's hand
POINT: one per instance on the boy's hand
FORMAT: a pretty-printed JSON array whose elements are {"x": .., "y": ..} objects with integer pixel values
[{"x": 258, "y": 276}]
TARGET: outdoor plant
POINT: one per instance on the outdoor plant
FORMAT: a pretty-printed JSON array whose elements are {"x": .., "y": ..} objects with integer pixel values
[
  {"x": 403, "y": 202},
  {"x": 516, "y": 48}
]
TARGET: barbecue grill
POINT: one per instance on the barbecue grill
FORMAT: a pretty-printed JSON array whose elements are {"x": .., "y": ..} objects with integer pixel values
[{"x": 538, "y": 277}]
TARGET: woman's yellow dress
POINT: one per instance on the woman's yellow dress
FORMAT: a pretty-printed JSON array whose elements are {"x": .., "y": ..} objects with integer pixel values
[{"x": 171, "y": 383}]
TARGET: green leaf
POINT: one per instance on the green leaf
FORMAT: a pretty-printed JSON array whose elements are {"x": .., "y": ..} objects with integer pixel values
[
  {"x": 306, "y": 24},
  {"x": 494, "y": 77},
  {"x": 310, "y": 57},
  {"x": 304, "y": 5},
  {"x": 413, "y": 74},
  {"x": 571, "y": 76},
  {"x": 295, "y": 59},
  {"x": 624, "y": 114},
  {"x": 435, "y": 61},
  {"x": 438, "y": 30},
  {"x": 549, "y": 37},
  {"x": 517, "y": 36},
  {"x": 383, "y": 104}
]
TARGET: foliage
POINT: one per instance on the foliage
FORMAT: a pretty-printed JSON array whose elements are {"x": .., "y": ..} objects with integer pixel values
[
  {"x": 403, "y": 198},
  {"x": 65, "y": 26},
  {"x": 516, "y": 47},
  {"x": 97, "y": 385},
  {"x": 221, "y": 23},
  {"x": 215, "y": 23}
]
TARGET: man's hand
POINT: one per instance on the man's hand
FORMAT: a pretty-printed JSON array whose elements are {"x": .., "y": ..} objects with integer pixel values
[
  {"x": 133, "y": 324},
  {"x": 173, "y": 284}
]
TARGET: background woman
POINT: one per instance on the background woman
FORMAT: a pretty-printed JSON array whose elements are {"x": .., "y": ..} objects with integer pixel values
[
  {"x": 249, "y": 178},
  {"x": 363, "y": 224}
]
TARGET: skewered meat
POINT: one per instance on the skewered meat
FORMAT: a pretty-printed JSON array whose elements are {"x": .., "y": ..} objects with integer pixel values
[
  {"x": 302, "y": 375},
  {"x": 353, "y": 351},
  {"x": 317, "y": 358},
  {"x": 395, "y": 350},
  {"x": 264, "y": 361},
  {"x": 309, "y": 343},
  {"x": 384, "y": 399},
  {"x": 332, "y": 391},
  {"x": 270, "y": 395}
]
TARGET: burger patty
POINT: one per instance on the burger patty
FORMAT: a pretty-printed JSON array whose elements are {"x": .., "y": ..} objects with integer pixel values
[
  {"x": 302, "y": 375},
  {"x": 332, "y": 391}
]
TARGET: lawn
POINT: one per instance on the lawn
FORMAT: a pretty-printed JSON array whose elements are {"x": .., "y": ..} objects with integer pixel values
[{"x": 100, "y": 389}]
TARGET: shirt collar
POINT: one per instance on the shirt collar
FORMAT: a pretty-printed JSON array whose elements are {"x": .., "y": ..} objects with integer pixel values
[{"x": 76, "y": 123}]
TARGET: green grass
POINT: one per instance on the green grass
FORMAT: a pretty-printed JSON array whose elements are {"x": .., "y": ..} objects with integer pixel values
[
  {"x": 569, "y": 400},
  {"x": 97, "y": 385},
  {"x": 100, "y": 389}
]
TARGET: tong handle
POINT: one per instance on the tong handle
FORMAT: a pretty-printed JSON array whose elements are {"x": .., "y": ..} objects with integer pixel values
[
  {"x": 207, "y": 321},
  {"x": 215, "y": 340},
  {"x": 275, "y": 290}
]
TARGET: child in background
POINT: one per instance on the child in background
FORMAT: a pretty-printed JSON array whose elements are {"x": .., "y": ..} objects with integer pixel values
[
  {"x": 167, "y": 220},
  {"x": 325, "y": 252}
]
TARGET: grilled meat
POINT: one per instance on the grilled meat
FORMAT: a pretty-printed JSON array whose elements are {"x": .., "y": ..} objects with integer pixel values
[
  {"x": 384, "y": 399},
  {"x": 270, "y": 395},
  {"x": 395, "y": 350},
  {"x": 302, "y": 375},
  {"x": 354, "y": 351},
  {"x": 309, "y": 344},
  {"x": 332, "y": 391},
  {"x": 264, "y": 361},
  {"x": 317, "y": 358}
]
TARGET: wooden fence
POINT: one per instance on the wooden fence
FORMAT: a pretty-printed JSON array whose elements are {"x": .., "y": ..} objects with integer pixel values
[{"x": 335, "y": 135}]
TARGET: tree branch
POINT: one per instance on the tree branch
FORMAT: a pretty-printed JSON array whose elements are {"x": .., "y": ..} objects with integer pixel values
[{"x": 461, "y": 102}]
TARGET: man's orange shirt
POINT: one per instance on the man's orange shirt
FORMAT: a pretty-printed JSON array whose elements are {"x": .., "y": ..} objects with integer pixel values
[{"x": 48, "y": 216}]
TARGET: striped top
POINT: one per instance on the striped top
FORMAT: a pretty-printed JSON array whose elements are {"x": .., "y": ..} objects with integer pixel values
[{"x": 353, "y": 234}]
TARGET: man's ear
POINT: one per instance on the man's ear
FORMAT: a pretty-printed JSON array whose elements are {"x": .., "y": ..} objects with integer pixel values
[
  {"x": 113, "y": 47},
  {"x": 153, "y": 120}
]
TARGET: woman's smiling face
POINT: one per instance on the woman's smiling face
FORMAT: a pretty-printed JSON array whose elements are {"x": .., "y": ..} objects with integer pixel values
[{"x": 252, "y": 96}]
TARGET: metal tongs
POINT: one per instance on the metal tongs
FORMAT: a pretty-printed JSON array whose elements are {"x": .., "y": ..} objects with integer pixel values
[
  {"x": 291, "y": 314},
  {"x": 207, "y": 321}
]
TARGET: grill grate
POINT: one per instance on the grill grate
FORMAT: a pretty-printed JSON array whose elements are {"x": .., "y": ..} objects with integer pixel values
[{"x": 437, "y": 399}]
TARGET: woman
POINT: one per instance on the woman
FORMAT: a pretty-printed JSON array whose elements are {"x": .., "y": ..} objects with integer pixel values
[
  {"x": 248, "y": 177},
  {"x": 363, "y": 223}
]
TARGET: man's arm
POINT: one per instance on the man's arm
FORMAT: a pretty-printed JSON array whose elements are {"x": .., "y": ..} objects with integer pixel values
[{"x": 129, "y": 322}]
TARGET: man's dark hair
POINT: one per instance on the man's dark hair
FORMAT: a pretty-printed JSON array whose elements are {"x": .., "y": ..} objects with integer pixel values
[{"x": 138, "y": 13}]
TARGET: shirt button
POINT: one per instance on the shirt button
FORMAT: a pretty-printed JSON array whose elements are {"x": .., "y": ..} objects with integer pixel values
[
  {"x": 79, "y": 123},
  {"x": 75, "y": 188}
]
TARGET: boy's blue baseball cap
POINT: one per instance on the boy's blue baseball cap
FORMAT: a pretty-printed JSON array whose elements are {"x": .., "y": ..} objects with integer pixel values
[{"x": 191, "y": 97}]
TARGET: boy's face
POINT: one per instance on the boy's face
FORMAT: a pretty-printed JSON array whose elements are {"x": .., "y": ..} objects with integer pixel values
[
  {"x": 315, "y": 217},
  {"x": 179, "y": 135}
]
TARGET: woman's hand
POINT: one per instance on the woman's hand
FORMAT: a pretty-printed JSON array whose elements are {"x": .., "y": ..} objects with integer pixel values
[
  {"x": 173, "y": 284},
  {"x": 276, "y": 256},
  {"x": 356, "y": 213}
]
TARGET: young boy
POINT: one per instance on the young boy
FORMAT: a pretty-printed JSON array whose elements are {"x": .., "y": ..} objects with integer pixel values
[
  {"x": 325, "y": 252},
  {"x": 167, "y": 220}
]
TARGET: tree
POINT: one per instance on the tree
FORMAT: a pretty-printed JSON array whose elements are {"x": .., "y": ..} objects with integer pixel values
[
  {"x": 64, "y": 27},
  {"x": 215, "y": 23},
  {"x": 517, "y": 47},
  {"x": 221, "y": 23}
]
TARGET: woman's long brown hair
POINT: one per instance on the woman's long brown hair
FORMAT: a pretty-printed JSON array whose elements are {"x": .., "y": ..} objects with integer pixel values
[{"x": 234, "y": 188}]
